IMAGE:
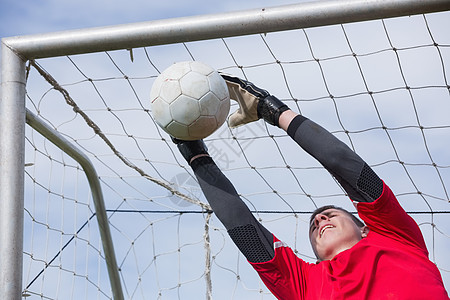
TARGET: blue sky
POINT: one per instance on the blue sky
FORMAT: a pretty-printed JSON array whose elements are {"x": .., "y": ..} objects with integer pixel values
[
  {"x": 34, "y": 17},
  {"x": 30, "y": 17}
]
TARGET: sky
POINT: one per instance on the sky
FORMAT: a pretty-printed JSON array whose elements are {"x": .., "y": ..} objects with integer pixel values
[
  {"x": 34, "y": 17},
  {"x": 256, "y": 163},
  {"x": 31, "y": 17}
]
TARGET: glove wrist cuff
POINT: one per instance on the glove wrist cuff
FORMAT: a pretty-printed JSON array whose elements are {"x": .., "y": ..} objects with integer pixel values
[
  {"x": 191, "y": 149},
  {"x": 270, "y": 108}
]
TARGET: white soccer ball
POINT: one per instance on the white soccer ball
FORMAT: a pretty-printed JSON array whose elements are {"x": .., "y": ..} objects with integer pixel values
[{"x": 190, "y": 100}]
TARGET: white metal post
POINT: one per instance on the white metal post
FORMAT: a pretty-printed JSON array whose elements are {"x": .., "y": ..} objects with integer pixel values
[
  {"x": 12, "y": 159},
  {"x": 97, "y": 196},
  {"x": 194, "y": 28}
]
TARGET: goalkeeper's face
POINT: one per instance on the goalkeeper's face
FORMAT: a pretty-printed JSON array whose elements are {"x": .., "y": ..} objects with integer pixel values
[{"x": 333, "y": 231}]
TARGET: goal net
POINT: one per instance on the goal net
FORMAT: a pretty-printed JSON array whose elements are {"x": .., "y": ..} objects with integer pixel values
[{"x": 381, "y": 86}]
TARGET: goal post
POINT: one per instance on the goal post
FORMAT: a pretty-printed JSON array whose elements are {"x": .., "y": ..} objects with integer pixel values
[
  {"x": 16, "y": 51},
  {"x": 97, "y": 195},
  {"x": 12, "y": 160}
]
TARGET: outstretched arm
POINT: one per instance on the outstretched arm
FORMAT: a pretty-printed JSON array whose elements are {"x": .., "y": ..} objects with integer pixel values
[
  {"x": 252, "y": 239},
  {"x": 356, "y": 177}
]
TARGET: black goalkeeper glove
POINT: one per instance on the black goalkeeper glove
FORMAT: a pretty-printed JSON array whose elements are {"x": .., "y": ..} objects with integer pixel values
[{"x": 254, "y": 103}]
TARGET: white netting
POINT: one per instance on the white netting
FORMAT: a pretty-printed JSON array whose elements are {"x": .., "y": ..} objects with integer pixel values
[{"x": 380, "y": 86}]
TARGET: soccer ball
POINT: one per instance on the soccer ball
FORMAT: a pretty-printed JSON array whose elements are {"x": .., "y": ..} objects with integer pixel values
[{"x": 190, "y": 100}]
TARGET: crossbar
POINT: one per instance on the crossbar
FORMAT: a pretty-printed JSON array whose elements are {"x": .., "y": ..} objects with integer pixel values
[{"x": 194, "y": 28}]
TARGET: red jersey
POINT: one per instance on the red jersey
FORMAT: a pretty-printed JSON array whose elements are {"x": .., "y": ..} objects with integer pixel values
[{"x": 390, "y": 263}]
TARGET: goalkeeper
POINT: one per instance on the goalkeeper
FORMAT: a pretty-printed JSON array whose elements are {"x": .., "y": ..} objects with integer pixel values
[{"x": 385, "y": 258}]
